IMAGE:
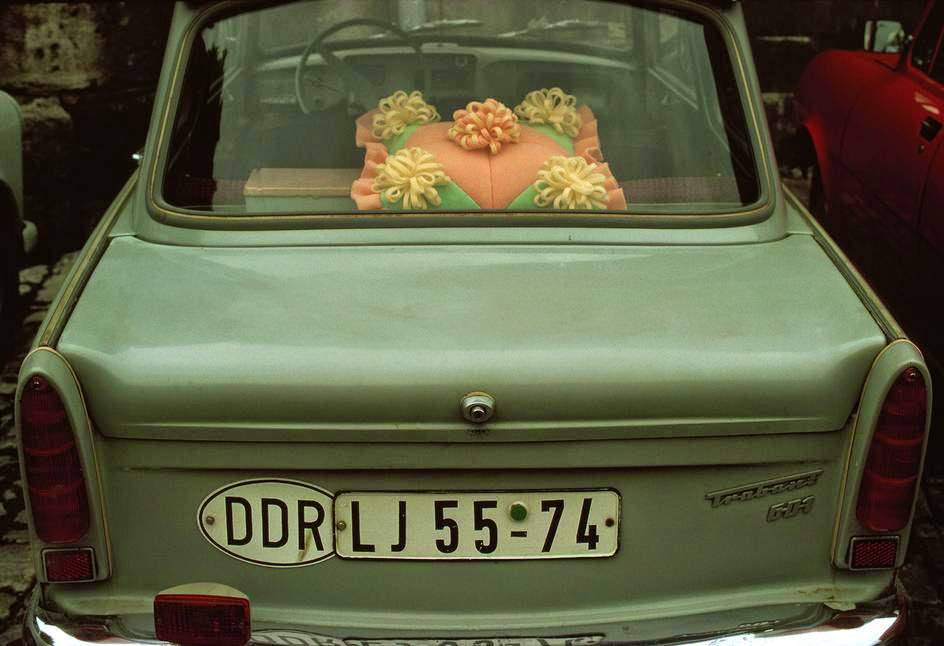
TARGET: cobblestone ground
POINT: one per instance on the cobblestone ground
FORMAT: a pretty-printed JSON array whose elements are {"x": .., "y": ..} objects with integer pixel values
[
  {"x": 923, "y": 574},
  {"x": 38, "y": 285}
]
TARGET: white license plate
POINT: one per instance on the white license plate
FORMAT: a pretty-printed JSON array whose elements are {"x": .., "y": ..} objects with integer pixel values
[{"x": 477, "y": 525}]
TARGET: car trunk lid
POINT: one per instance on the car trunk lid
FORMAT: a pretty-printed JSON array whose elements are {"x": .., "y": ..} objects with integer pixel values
[{"x": 372, "y": 343}]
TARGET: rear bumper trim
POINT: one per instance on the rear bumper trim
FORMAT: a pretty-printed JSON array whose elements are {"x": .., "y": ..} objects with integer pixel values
[{"x": 879, "y": 623}]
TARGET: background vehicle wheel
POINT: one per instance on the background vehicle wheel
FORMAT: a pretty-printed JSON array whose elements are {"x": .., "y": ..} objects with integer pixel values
[
  {"x": 9, "y": 291},
  {"x": 817, "y": 204},
  {"x": 820, "y": 210}
]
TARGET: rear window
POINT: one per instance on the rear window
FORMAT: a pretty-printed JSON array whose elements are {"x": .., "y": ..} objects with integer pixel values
[{"x": 354, "y": 106}]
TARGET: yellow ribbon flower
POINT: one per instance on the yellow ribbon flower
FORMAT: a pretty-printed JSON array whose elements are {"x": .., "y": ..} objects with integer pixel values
[
  {"x": 400, "y": 110},
  {"x": 570, "y": 183},
  {"x": 552, "y": 107},
  {"x": 411, "y": 175}
]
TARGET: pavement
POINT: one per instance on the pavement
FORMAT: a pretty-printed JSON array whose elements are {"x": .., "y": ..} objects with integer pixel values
[
  {"x": 38, "y": 286},
  {"x": 923, "y": 574}
]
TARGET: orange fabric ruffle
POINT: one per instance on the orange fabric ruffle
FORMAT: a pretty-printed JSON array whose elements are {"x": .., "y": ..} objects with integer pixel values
[
  {"x": 362, "y": 191},
  {"x": 587, "y": 145}
]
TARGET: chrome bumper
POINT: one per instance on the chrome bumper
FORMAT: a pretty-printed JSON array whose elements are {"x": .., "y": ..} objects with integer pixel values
[{"x": 878, "y": 623}]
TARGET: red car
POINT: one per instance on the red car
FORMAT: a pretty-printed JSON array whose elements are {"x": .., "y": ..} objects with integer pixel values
[{"x": 873, "y": 127}]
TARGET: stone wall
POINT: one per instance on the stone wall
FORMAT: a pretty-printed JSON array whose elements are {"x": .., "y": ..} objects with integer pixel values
[{"x": 85, "y": 74}]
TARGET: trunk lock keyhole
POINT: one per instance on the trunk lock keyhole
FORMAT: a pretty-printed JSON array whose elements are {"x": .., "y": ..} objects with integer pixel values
[{"x": 477, "y": 407}]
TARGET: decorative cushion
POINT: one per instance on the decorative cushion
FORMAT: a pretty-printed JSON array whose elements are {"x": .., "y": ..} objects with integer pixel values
[{"x": 543, "y": 155}]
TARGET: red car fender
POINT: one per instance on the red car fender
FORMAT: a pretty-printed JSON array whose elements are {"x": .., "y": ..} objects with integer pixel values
[{"x": 830, "y": 88}]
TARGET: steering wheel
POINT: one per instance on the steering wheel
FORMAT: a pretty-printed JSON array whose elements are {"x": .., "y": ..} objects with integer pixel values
[{"x": 361, "y": 91}]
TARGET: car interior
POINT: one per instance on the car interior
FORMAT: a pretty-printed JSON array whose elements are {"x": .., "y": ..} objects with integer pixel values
[{"x": 670, "y": 111}]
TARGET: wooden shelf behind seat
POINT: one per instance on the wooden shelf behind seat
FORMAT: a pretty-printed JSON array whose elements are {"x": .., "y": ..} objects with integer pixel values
[
  {"x": 300, "y": 189},
  {"x": 301, "y": 182}
]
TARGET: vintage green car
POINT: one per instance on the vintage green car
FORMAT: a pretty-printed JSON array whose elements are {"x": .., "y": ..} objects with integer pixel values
[
  {"x": 17, "y": 236},
  {"x": 465, "y": 322}
]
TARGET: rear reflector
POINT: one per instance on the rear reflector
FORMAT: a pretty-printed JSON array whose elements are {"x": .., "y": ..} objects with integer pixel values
[
  {"x": 873, "y": 552},
  {"x": 69, "y": 565},
  {"x": 201, "y": 620},
  {"x": 53, "y": 468},
  {"x": 890, "y": 478}
]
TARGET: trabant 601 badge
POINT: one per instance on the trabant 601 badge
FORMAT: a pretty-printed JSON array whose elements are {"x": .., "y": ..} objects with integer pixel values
[
  {"x": 764, "y": 488},
  {"x": 270, "y": 521}
]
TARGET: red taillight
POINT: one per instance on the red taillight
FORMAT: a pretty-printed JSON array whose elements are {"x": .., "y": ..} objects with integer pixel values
[
  {"x": 202, "y": 620},
  {"x": 69, "y": 565},
  {"x": 54, "y": 475},
  {"x": 890, "y": 478}
]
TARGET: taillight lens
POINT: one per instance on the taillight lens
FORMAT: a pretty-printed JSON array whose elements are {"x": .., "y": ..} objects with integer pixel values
[
  {"x": 890, "y": 479},
  {"x": 54, "y": 475},
  {"x": 202, "y": 620}
]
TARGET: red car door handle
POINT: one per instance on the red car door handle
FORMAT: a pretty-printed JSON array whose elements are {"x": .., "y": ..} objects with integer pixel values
[{"x": 930, "y": 127}]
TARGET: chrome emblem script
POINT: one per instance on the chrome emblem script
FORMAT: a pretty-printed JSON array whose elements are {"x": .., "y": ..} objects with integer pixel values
[{"x": 763, "y": 488}]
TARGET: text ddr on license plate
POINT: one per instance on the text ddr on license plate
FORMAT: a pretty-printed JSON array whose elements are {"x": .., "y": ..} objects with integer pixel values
[{"x": 477, "y": 525}]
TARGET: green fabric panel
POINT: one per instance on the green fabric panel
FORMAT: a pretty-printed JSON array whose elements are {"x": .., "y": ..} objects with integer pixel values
[
  {"x": 396, "y": 142},
  {"x": 390, "y": 206},
  {"x": 525, "y": 201},
  {"x": 453, "y": 199},
  {"x": 565, "y": 142}
]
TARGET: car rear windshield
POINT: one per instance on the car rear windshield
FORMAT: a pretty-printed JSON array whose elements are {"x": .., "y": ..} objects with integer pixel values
[{"x": 413, "y": 106}]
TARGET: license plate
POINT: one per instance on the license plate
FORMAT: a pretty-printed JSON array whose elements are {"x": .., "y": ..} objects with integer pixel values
[{"x": 477, "y": 525}]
